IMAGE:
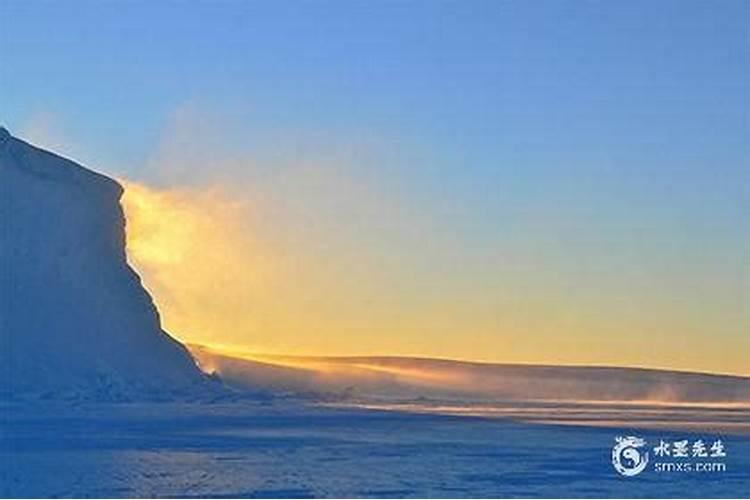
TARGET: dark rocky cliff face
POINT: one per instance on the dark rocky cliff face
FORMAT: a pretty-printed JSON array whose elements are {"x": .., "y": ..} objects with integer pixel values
[{"x": 75, "y": 320}]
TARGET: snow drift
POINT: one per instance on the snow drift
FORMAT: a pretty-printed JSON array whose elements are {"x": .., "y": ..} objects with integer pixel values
[
  {"x": 74, "y": 318},
  {"x": 402, "y": 378}
]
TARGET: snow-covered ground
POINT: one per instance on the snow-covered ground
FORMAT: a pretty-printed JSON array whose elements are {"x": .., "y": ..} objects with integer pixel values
[
  {"x": 400, "y": 378},
  {"x": 288, "y": 448}
]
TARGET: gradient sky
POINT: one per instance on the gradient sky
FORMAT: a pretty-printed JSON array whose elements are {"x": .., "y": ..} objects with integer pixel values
[{"x": 542, "y": 182}]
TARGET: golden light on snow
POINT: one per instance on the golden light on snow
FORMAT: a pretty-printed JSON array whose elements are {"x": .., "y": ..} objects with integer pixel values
[
  {"x": 197, "y": 258},
  {"x": 162, "y": 226},
  {"x": 341, "y": 370}
]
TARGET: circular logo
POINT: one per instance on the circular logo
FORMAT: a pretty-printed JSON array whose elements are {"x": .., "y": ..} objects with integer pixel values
[{"x": 627, "y": 459}]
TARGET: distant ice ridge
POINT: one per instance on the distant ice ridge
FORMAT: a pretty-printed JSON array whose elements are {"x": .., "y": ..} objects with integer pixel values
[
  {"x": 402, "y": 378},
  {"x": 75, "y": 321}
]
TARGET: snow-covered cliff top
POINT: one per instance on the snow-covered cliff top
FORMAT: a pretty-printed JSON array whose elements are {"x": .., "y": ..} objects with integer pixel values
[{"x": 74, "y": 318}]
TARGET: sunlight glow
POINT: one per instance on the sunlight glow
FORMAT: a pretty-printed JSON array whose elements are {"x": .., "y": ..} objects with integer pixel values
[
  {"x": 251, "y": 276},
  {"x": 196, "y": 256}
]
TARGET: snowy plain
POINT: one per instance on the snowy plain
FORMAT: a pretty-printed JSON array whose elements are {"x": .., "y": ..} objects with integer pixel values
[{"x": 281, "y": 447}]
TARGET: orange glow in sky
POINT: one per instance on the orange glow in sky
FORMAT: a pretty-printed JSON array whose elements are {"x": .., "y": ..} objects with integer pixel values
[{"x": 222, "y": 275}]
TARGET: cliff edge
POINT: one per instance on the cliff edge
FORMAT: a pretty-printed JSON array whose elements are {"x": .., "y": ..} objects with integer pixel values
[{"x": 75, "y": 320}]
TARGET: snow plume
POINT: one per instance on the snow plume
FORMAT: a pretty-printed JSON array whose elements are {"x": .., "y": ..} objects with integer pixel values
[
  {"x": 405, "y": 379},
  {"x": 195, "y": 251},
  {"x": 285, "y": 245}
]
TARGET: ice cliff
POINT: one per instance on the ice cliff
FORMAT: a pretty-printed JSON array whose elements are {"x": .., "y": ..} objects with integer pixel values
[{"x": 74, "y": 318}]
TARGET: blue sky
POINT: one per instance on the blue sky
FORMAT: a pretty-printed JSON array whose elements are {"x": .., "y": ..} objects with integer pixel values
[
  {"x": 492, "y": 80},
  {"x": 608, "y": 140}
]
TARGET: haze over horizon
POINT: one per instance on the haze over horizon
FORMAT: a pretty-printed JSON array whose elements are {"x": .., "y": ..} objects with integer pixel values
[{"x": 454, "y": 190}]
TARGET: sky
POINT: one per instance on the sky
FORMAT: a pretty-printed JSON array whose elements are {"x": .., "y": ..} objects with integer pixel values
[{"x": 534, "y": 182}]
